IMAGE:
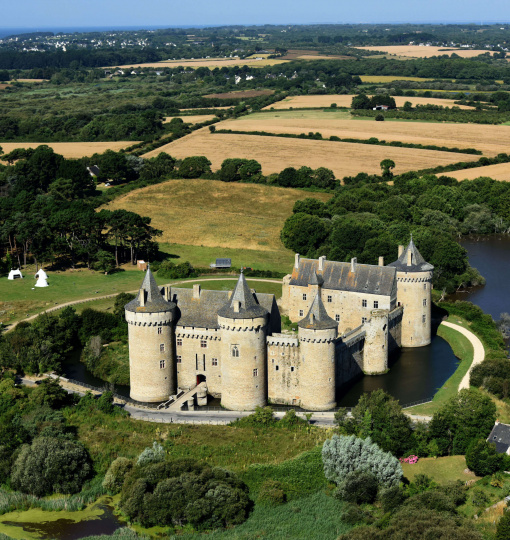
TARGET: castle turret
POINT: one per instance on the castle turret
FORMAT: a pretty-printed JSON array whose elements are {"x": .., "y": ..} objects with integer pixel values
[
  {"x": 243, "y": 326},
  {"x": 151, "y": 327},
  {"x": 414, "y": 283},
  {"x": 375, "y": 354},
  {"x": 317, "y": 333}
]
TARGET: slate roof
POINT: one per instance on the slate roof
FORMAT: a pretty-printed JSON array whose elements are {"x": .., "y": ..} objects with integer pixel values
[
  {"x": 317, "y": 317},
  {"x": 367, "y": 278},
  {"x": 223, "y": 263},
  {"x": 154, "y": 301},
  {"x": 248, "y": 307},
  {"x": 202, "y": 312},
  {"x": 418, "y": 263},
  {"x": 500, "y": 435}
]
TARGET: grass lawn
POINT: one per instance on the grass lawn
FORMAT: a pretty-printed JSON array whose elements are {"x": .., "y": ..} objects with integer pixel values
[
  {"x": 441, "y": 470},
  {"x": 463, "y": 350},
  {"x": 277, "y": 261}
]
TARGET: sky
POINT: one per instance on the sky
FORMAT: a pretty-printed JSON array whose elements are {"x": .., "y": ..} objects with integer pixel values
[{"x": 39, "y": 14}]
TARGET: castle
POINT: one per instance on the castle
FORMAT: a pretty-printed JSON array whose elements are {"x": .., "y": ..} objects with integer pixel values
[{"x": 350, "y": 318}]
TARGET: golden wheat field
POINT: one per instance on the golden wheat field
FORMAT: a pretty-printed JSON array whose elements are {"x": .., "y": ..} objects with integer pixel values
[
  {"x": 501, "y": 171},
  {"x": 424, "y": 51},
  {"x": 345, "y": 101},
  {"x": 203, "y": 62},
  {"x": 72, "y": 149},
  {"x": 216, "y": 214},
  {"x": 276, "y": 153},
  {"x": 491, "y": 140},
  {"x": 390, "y": 78},
  {"x": 191, "y": 119}
]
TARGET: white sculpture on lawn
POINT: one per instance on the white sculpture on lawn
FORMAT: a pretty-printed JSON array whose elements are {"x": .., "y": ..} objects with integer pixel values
[{"x": 42, "y": 279}]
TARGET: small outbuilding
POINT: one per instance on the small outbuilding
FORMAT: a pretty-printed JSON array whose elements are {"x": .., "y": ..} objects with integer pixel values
[
  {"x": 15, "y": 274},
  {"x": 500, "y": 436},
  {"x": 222, "y": 263},
  {"x": 42, "y": 278}
]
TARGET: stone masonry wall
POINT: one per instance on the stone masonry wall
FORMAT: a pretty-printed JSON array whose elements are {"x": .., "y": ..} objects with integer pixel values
[{"x": 283, "y": 370}]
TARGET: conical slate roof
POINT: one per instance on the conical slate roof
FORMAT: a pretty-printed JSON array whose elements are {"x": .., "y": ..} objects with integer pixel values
[
  {"x": 317, "y": 317},
  {"x": 154, "y": 301},
  {"x": 316, "y": 279},
  {"x": 242, "y": 303},
  {"x": 418, "y": 263}
]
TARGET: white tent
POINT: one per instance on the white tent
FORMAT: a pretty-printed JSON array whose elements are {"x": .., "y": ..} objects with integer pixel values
[
  {"x": 42, "y": 279},
  {"x": 15, "y": 274}
]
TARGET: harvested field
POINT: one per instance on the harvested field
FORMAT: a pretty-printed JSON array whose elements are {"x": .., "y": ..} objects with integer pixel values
[
  {"x": 3, "y": 86},
  {"x": 191, "y": 119},
  {"x": 501, "y": 171},
  {"x": 341, "y": 100},
  {"x": 241, "y": 94},
  {"x": 491, "y": 140},
  {"x": 212, "y": 213},
  {"x": 72, "y": 149},
  {"x": 274, "y": 154},
  {"x": 202, "y": 62},
  {"x": 423, "y": 51}
]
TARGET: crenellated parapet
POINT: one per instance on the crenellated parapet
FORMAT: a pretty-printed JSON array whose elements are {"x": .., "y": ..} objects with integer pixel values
[
  {"x": 282, "y": 341},
  {"x": 423, "y": 277},
  {"x": 191, "y": 335},
  {"x": 236, "y": 327},
  {"x": 317, "y": 339}
]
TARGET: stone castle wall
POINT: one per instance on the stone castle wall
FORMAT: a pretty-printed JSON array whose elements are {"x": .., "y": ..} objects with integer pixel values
[{"x": 283, "y": 370}]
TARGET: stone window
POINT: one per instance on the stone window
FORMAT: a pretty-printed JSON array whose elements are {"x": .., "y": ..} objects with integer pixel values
[
  {"x": 160, "y": 330},
  {"x": 162, "y": 364},
  {"x": 423, "y": 319},
  {"x": 203, "y": 343},
  {"x": 424, "y": 302},
  {"x": 363, "y": 303},
  {"x": 301, "y": 313},
  {"x": 376, "y": 304},
  {"x": 235, "y": 351},
  {"x": 304, "y": 296},
  {"x": 255, "y": 372},
  {"x": 179, "y": 359},
  {"x": 292, "y": 368},
  {"x": 337, "y": 318},
  {"x": 277, "y": 368},
  {"x": 330, "y": 299},
  {"x": 424, "y": 286},
  {"x": 179, "y": 342},
  {"x": 214, "y": 361},
  {"x": 162, "y": 347},
  {"x": 363, "y": 320}
]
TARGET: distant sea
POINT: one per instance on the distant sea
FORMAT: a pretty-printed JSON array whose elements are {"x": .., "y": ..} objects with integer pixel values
[{"x": 69, "y": 29}]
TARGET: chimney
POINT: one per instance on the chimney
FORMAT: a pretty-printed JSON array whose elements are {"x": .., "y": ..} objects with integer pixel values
[
  {"x": 142, "y": 297},
  {"x": 296, "y": 260},
  {"x": 237, "y": 306},
  {"x": 196, "y": 290},
  {"x": 381, "y": 261},
  {"x": 322, "y": 260},
  {"x": 166, "y": 293},
  {"x": 400, "y": 250},
  {"x": 354, "y": 261},
  {"x": 409, "y": 258}
]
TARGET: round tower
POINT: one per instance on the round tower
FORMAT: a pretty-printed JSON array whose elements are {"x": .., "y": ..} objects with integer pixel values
[
  {"x": 243, "y": 327},
  {"x": 375, "y": 352},
  {"x": 414, "y": 286},
  {"x": 151, "y": 334},
  {"x": 317, "y": 334}
]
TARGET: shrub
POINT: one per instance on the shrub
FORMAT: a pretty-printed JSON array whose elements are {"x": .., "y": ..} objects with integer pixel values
[
  {"x": 503, "y": 528},
  {"x": 392, "y": 498},
  {"x": 358, "y": 487},
  {"x": 271, "y": 493},
  {"x": 151, "y": 455},
  {"x": 482, "y": 458},
  {"x": 51, "y": 465},
  {"x": 344, "y": 454},
  {"x": 379, "y": 118},
  {"x": 116, "y": 474}
]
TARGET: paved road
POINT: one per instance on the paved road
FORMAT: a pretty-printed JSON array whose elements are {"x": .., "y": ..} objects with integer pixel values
[
  {"x": 104, "y": 297},
  {"x": 478, "y": 350}
]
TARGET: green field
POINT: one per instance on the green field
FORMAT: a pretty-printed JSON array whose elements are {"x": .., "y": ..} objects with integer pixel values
[{"x": 442, "y": 470}]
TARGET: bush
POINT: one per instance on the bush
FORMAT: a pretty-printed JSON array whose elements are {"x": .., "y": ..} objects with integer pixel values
[
  {"x": 358, "y": 487},
  {"x": 344, "y": 454},
  {"x": 391, "y": 498},
  {"x": 379, "y": 118},
  {"x": 116, "y": 474},
  {"x": 482, "y": 458},
  {"x": 503, "y": 528},
  {"x": 170, "y": 270},
  {"x": 51, "y": 465},
  {"x": 151, "y": 455},
  {"x": 271, "y": 493}
]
